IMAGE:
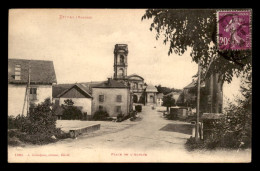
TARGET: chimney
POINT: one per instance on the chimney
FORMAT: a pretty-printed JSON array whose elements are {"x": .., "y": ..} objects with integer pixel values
[{"x": 109, "y": 81}]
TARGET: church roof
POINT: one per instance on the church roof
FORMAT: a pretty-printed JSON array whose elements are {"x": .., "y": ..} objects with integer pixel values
[
  {"x": 134, "y": 75},
  {"x": 159, "y": 95},
  {"x": 151, "y": 88},
  {"x": 110, "y": 83}
]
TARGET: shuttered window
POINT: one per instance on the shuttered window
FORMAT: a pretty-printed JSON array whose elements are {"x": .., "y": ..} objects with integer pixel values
[
  {"x": 17, "y": 73},
  {"x": 33, "y": 93},
  {"x": 100, "y": 108},
  {"x": 118, "y": 109},
  {"x": 101, "y": 98},
  {"x": 119, "y": 98}
]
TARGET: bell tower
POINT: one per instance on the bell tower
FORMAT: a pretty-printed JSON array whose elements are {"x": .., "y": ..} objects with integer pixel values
[{"x": 120, "y": 61}]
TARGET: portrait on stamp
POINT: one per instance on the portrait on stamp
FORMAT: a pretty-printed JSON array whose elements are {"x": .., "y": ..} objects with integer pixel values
[{"x": 234, "y": 31}]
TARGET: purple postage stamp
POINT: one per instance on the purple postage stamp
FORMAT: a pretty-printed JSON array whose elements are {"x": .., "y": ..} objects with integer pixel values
[{"x": 234, "y": 30}]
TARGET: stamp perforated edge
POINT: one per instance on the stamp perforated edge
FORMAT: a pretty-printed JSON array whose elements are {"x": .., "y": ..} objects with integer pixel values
[{"x": 250, "y": 26}]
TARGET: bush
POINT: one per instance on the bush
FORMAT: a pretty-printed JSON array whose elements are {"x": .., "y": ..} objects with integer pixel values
[
  {"x": 16, "y": 122},
  {"x": 138, "y": 108},
  {"x": 71, "y": 113},
  {"x": 120, "y": 117},
  {"x": 39, "y": 127},
  {"x": 41, "y": 120},
  {"x": 235, "y": 130},
  {"x": 100, "y": 115}
]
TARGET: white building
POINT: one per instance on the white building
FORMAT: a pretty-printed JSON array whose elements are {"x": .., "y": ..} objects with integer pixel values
[
  {"x": 42, "y": 77},
  {"x": 78, "y": 93}
]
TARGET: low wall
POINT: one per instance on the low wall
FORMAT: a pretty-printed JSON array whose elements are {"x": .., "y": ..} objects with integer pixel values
[{"x": 77, "y": 131}]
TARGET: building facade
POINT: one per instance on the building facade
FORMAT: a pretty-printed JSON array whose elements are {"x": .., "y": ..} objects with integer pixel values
[
  {"x": 138, "y": 88},
  {"x": 29, "y": 83},
  {"x": 111, "y": 96},
  {"x": 79, "y": 95}
]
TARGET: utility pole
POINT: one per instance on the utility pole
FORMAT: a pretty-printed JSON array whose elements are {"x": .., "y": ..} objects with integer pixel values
[
  {"x": 198, "y": 104},
  {"x": 28, "y": 95}
]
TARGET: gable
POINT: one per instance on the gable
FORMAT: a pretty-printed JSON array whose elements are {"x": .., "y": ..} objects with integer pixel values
[{"x": 74, "y": 92}]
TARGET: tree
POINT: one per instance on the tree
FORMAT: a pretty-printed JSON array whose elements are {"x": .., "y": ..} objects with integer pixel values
[
  {"x": 41, "y": 120},
  {"x": 166, "y": 90},
  {"x": 168, "y": 101},
  {"x": 70, "y": 111},
  {"x": 197, "y": 29},
  {"x": 69, "y": 102}
]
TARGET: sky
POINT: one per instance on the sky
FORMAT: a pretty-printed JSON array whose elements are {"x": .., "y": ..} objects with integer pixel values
[{"x": 80, "y": 42}]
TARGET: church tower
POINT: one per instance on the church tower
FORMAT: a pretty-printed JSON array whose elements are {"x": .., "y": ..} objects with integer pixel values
[{"x": 120, "y": 61}]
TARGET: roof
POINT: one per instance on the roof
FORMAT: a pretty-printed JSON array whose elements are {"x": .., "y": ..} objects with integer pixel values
[
  {"x": 41, "y": 71},
  {"x": 85, "y": 90},
  {"x": 59, "y": 88},
  {"x": 193, "y": 84},
  {"x": 151, "y": 88},
  {"x": 173, "y": 93},
  {"x": 110, "y": 84},
  {"x": 134, "y": 75},
  {"x": 159, "y": 95}
]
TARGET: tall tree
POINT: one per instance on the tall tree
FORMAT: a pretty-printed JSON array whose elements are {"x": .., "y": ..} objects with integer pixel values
[
  {"x": 197, "y": 29},
  {"x": 168, "y": 101}
]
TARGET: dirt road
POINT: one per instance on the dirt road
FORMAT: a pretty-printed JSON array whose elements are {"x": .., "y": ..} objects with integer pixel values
[{"x": 149, "y": 139}]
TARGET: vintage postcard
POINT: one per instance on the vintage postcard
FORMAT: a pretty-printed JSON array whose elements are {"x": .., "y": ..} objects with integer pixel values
[{"x": 129, "y": 85}]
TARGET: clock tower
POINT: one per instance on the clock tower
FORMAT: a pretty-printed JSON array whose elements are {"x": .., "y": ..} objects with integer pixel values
[{"x": 120, "y": 61}]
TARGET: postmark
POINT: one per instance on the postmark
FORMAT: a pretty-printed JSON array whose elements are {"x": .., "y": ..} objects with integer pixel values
[{"x": 234, "y": 30}]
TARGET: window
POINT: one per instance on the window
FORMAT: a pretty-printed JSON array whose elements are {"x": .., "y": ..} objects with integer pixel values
[
  {"x": 118, "y": 109},
  {"x": 119, "y": 98},
  {"x": 33, "y": 93},
  {"x": 121, "y": 59},
  {"x": 100, "y": 108},
  {"x": 135, "y": 86},
  {"x": 121, "y": 72},
  {"x": 17, "y": 67},
  {"x": 57, "y": 102},
  {"x": 17, "y": 73},
  {"x": 101, "y": 98}
]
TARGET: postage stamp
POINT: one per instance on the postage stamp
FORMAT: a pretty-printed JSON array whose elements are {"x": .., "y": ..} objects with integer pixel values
[{"x": 234, "y": 30}]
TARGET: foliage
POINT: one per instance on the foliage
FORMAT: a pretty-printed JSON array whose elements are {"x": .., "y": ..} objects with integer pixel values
[
  {"x": 166, "y": 90},
  {"x": 196, "y": 29},
  {"x": 120, "y": 117},
  {"x": 71, "y": 112},
  {"x": 191, "y": 99},
  {"x": 168, "y": 101},
  {"x": 142, "y": 98},
  {"x": 234, "y": 130},
  {"x": 69, "y": 102},
  {"x": 100, "y": 115},
  {"x": 15, "y": 122},
  {"x": 138, "y": 108},
  {"x": 40, "y": 120},
  {"x": 39, "y": 127}
]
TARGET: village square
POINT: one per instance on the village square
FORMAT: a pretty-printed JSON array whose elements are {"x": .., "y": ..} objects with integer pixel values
[{"x": 116, "y": 107}]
